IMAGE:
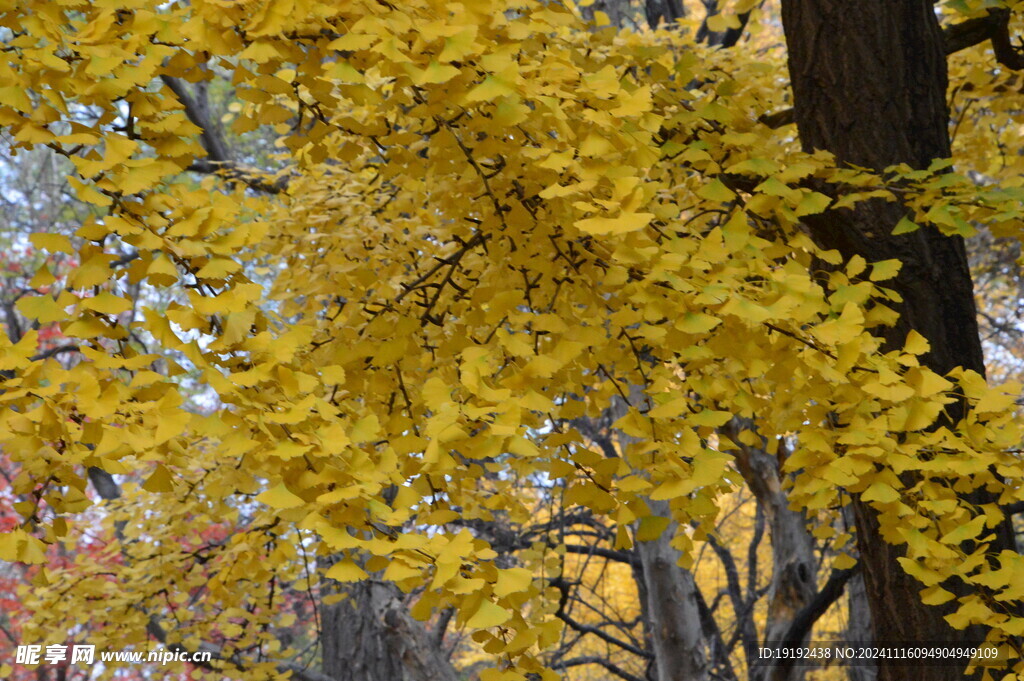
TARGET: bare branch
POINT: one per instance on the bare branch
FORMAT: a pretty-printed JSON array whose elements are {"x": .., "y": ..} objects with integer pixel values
[
  {"x": 218, "y": 158},
  {"x": 235, "y": 173},
  {"x": 810, "y": 613},
  {"x": 994, "y": 26},
  {"x": 198, "y": 112},
  {"x": 604, "y": 636},
  {"x": 778, "y": 119},
  {"x": 53, "y": 352},
  {"x": 563, "y": 587},
  {"x": 609, "y": 554},
  {"x": 437, "y": 634},
  {"x": 594, "y": 659},
  {"x": 744, "y": 624},
  {"x": 1015, "y": 507},
  {"x": 719, "y": 649}
]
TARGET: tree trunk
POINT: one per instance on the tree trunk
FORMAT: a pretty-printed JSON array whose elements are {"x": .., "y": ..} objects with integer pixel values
[
  {"x": 869, "y": 84},
  {"x": 858, "y": 629},
  {"x": 370, "y": 636},
  {"x": 616, "y": 10},
  {"x": 677, "y": 637},
  {"x": 859, "y": 632},
  {"x": 668, "y": 10},
  {"x": 670, "y": 601},
  {"x": 794, "y": 565}
]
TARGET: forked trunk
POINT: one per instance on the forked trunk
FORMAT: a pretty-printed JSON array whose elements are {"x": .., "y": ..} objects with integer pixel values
[{"x": 370, "y": 636}]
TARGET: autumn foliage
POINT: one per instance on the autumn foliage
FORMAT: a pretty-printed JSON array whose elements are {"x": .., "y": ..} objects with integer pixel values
[{"x": 478, "y": 225}]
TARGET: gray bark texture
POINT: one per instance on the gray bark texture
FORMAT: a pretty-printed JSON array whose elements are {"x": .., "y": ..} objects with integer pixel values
[
  {"x": 677, "y": 637},
  {"x": 794, "y": 565},
  {"x": 617, "y": 11},
  {"x": 858, "y": 627},
  {"x": 858, "y": 618},
  {"x": 370, "y": 636}
]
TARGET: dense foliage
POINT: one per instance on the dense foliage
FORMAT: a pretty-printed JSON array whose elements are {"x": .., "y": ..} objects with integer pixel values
[{"x": 481, "y": 226}]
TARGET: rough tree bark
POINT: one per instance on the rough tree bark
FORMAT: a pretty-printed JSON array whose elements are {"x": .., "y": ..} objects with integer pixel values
[
  {"x": 794, "y": 565},
  {"x": 677, "y": 637},
  {"x": 858, "y": 618},
  {"x": 869, "y": 82},
  {"x": 858, "y": 628},
  {"x": 370, "y": 636}
]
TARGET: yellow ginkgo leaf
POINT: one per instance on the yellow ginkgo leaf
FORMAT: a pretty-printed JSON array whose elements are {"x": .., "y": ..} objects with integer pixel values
[
  {"x": 280, "y": 497},
  {"x": 489, "y": 615}
]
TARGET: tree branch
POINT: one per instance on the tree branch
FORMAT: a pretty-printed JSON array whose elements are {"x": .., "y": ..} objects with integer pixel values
[
  {"x": 438, "y": 632},
  {"x": 719, "y": 649},
  {"x": 1010, "y": 56},
  {"x": 607, "y": 638},
  {"x": 724, "y": 39},
  {"x": 1014, "y": 508},
  {"x": 994, "y": 26},
  {"x": 594, "y": 659},
  {"x": 198, "y": 112},
  {"x": 563, "y": 587},
  {"x": 218, "y": 157},
  {"x": 801, "y": 625},
  {"x": 822, "y": 601},
  {"x": 609, "y": 554},
  {"x": 53, "y": 352}
]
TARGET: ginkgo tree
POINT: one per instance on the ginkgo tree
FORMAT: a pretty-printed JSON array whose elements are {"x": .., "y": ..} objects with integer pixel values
[{"x": 484, "y": 225}]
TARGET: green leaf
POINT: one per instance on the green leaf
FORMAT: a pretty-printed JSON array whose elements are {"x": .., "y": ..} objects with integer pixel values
[
  {"x": 905, "y": 226},
  {"x": 812, "y": 203},
  {"x": 716, "y": 191}
]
